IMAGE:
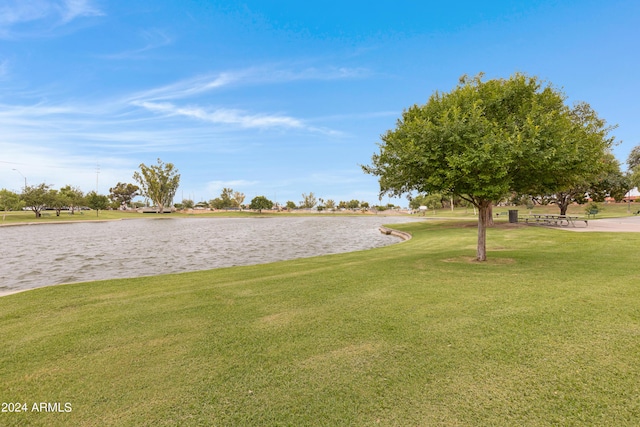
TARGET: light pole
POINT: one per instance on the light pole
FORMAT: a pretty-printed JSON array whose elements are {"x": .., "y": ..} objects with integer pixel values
[{"x": 25, "y": 178}]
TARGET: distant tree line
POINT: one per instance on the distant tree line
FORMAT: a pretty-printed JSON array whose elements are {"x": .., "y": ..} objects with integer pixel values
[
  {"x": 38, "y": 198},
  {"x": 157, "y": 182},
  {"x": 230, "y": 199},
  {"x": 160, "y": 182}
]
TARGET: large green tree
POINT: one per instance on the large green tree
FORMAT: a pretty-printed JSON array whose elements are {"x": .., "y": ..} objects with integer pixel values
[
  {"x": 586, "y": 163},
  {"x": 73, "y": 195},
  {"x": 485, "y": 139},
  {"x": 97, "y": 201},
  {"x": 260, "y": 202},
  {"x": 10, "y": 201},
  {"x": 431, "y": 201},
  {"x": 159, "y": 183},
  {"x": 123, "y": 193},
  {"x": 633, "y": 161},
  {"x": 228, "y": 199},
  {"x": 611, "y": 182},
  {"x": 58, "y": 201},
  {"x": 37, "y": 197},
  {"x": 187, "y": 204}
]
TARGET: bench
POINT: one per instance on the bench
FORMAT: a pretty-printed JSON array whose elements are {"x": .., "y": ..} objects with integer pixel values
[{"x": 557, "y": 220}]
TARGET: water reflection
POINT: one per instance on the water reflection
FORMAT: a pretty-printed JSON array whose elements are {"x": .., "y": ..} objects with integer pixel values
[{"x": 47, "y": 254}]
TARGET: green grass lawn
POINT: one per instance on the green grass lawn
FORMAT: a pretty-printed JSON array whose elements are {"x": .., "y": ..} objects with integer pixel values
[
  {"x": 606, "y": 210},
  {"x": 13, "y": 217},
  {"x": 547, "y": 332},
  {"x": 610, "y": 210}
]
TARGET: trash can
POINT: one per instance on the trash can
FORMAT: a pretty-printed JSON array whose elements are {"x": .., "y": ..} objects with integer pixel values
[{"x": 513, "y": 216}]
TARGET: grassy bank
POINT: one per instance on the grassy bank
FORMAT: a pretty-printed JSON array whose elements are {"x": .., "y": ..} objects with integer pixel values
[
  {"x": 545, "y": 333},
  {"x": 606, "y": 210},
  {"x": 27, "y": 217},
  {"x": 15, "y": 217},
  {"x": 610, "y": 210}
]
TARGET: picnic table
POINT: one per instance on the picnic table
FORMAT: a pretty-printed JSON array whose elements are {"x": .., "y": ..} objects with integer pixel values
[{"x": 558, "y": 220}]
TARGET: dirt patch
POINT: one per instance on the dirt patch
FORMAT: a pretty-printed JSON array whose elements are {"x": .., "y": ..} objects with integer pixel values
[{"x": 473, "y": 260}]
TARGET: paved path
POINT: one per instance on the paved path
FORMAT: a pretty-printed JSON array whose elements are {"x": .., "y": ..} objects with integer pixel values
[{"x": 624, "y": 224}]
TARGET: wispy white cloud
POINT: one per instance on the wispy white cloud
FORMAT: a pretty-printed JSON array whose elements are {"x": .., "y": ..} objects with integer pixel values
[
  {"x": 269, "y": 74},
  {"x": 146, "y": 120},
  {"x": 55, "y": 165},
  {"x": 156, "y": 99},
  {"x": 37, "y": 110},
  {"x": 185, "y": 88},
  {"x": 72, "y": 9},
  {"x": 42, "y": 15},
  {"x": 153, "y": 39},
  {"x": 250, "y": 76},
  {"x": 49, "y": 139},
  {"x": 14, "y": 12},
  {"x": 224, "y": 116}
]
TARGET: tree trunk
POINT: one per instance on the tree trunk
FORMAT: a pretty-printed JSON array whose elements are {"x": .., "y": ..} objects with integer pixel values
[
  {"x": 488, "y": 214},
  {"x": 563, "y": 200},
  {"x": 484, "y": 212},
  {"x": 564, "y": 206}
]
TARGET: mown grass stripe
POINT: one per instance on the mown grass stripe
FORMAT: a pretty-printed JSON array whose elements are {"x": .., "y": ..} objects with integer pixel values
[{"x": 545, "y": 333}]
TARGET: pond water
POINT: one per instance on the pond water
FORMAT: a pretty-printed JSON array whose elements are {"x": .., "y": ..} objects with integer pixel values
[{"x": 49, "y": 254}]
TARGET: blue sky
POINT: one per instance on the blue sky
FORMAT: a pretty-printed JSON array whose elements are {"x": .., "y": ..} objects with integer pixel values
[{"x": 276, "y": 98}]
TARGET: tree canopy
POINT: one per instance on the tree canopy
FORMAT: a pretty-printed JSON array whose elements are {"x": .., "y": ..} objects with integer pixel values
[
  {"x": 10, "y": 201},
  {"x": 73, "y": 197},
  {"x": 97, "y": 201},
  {"x": 308, "y": 201},
  {"x": 634, "y": 166},
  {"x": 159, "y": 183},
  {"x": 228, "y": 199},
  {"x": 37, "y": 197},
  {"x": 633, "y": 161},
  {"x": 485, "y": 139},
  {"x": 123, "y": 193},
  {"x": 291, "y": 204},
  {"x": 57, "y": 201},
  {"x": 260, "y": 202},
  {"x": 611, "y": 182}
]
